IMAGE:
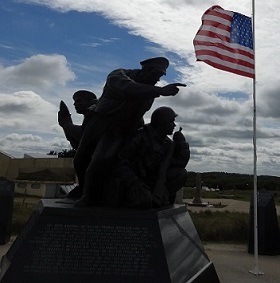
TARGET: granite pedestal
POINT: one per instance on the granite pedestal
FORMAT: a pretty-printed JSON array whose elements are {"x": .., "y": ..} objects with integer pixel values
[
  {"x": 268, "y": 227},
  {"x": 65, "y": 244}
]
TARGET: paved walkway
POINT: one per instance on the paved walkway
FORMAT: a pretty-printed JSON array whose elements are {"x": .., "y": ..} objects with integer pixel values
[{"x": 233, "y": 263}]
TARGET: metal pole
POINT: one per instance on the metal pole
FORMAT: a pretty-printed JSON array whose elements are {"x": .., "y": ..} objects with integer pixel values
[{"x": 255, "y": 270}]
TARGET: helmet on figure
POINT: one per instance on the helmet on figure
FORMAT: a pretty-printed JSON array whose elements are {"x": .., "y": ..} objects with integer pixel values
[{"x": 162, "y": 115}]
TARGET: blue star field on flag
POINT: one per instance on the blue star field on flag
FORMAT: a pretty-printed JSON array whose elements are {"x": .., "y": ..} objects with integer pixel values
[
  {"x": 241, "y": 30},
  {"x": 225, "y": 41}
]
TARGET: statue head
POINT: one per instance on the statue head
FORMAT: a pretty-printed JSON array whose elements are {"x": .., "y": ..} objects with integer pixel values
[
  {"x": 153, "y": 69},
  {"x": 163, "y": 119},
  {"x": 158, "y": 63},
  {"x": 83, "y": 99}
]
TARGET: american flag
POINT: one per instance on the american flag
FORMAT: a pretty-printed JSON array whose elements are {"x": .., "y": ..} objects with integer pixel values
[{"x": 225, "y": 41}]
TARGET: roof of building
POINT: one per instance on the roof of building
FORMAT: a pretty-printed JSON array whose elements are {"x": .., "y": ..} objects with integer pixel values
[
  {"x": 6, "y": 154},
  {"x": 47, "y": 175}
]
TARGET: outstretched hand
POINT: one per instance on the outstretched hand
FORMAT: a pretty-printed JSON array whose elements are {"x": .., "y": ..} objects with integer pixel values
[
  {"x": 179, "y": 84},
  {"x": 171, "y": 89}
]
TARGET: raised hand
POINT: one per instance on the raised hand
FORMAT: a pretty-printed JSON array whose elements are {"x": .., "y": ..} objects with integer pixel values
[{"x": 178, "y": 136}]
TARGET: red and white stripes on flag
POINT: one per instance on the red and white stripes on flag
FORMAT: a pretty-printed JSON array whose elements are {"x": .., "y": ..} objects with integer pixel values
[{"x": 225, "y": 41}]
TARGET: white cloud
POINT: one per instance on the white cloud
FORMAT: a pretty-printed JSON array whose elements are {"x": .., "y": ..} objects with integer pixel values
[
  {"x": 22, "y": 138},
  {"x": 37, "y": 72},
  {"x": 28, "y": 124},
  {"x": 18, "y": 144},
  {"x": 26, "y": 110}
]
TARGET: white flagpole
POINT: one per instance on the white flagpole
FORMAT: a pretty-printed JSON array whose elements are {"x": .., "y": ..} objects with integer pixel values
[{"x": 255, "y": 270}]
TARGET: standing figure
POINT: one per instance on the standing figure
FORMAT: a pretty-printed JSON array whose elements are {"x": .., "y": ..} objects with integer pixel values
[
  {"x": 84, "y": 103},
  {"x": 127, "y": 95}
]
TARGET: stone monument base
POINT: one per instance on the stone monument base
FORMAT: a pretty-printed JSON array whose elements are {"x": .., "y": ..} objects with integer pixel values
[
  {"x": 202, "y": 204},
  {"x": 65, "y": 244}
]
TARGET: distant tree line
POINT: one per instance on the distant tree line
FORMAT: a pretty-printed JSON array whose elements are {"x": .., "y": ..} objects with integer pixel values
[
  {"x": 220, "y": 180},
  {"x": 233, "y": 181},
  {"x": 65, "y": 153},
  {"x": 52, "y": 152}
]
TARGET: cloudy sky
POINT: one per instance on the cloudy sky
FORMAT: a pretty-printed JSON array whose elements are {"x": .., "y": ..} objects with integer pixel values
[{"x": 51, "y": 48}]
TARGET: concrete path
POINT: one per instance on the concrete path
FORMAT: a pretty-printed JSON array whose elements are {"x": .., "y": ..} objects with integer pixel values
[{"x": 233, "y": 262}]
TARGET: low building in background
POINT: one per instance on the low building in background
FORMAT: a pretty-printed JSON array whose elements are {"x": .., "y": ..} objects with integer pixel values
[{"x": 38, "y": 176}]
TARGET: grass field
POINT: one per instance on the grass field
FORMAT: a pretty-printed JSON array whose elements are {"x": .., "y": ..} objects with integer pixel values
[{"x": 223, "y": 226}]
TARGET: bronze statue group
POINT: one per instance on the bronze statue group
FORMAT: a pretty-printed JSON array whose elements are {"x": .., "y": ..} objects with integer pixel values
[{"x": 119, "y": 160}]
